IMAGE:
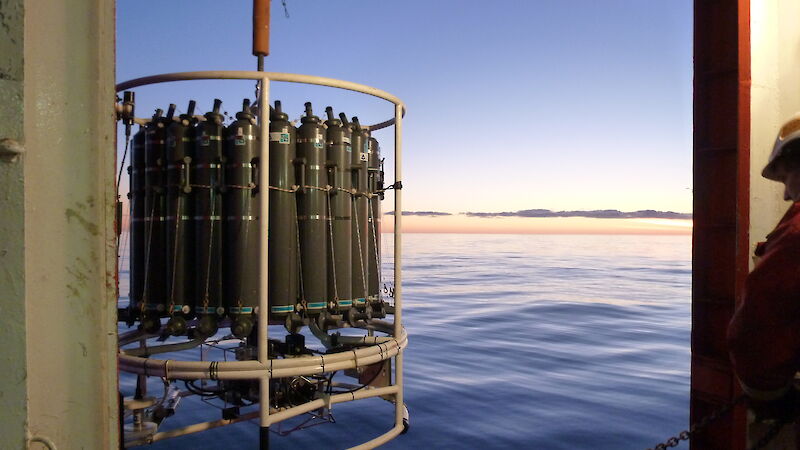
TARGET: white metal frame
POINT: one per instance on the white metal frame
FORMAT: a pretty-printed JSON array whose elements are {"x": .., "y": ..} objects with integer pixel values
[{"x": 379, "y": 349}]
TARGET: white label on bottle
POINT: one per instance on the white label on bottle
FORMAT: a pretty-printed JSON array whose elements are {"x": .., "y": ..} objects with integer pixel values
[{"x": 282, "y": 138}]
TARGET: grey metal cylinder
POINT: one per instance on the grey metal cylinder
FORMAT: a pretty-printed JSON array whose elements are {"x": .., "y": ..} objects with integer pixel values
[
  {"x": 375, "y": 179},
  {"x": 340, "y": 254},
  {"x": 178, "y": 233},
  {"x": 136, "y": 197},
  {"x": 155, "y": 279},
  {"x": 207, "y": 175},
  {"x": 240, "y": 266},
  {"x": 360, "y": 226},
  {"x": 313, "y": 213},
  {"x": 283, "y": 239}
]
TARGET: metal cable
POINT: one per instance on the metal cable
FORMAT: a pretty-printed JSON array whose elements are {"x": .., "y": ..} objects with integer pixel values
[
  {"x": 248, "y": 207},
  {"x": 360, "y": 251},
  {"x": 375, "y": 242},
  {"x": 299, "y": 250},
  {"x": 124, "y": 242},
  {"x": 122, "y": 165},
  {"x": 333, "y": 254},
  {"x": 212, "y": 198},
  {"x": 119, "y": 176},
  {"x": 149, "y": 232},
  {"x": 175, "y": 254}
]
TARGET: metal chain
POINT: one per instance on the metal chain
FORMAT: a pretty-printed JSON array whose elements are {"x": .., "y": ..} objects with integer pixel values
[
  {"x": 771, "y": 433},
  {"x": 700, "y": 425}
]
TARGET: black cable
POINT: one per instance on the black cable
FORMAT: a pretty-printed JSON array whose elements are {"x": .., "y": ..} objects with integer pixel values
[
  {"x": 124, "y": 157},
  {"x": 199, "y": 390},
  {"x": 330, "y": 383},
  {"x": 374, "y": 377}
]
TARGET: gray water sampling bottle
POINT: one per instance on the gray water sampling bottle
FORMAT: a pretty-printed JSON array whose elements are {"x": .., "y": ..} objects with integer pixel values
[
  {"x": 178, "y": 231},
  {"x": 375, "y": 188},
  {"x": 136, "y": 197},
  {"x": 313, "y": 213},
  {"x": 340, "y": 254},
  {"x": 240, "y": 262},
  {"x": 283, "y": 265},
  {"x": 360, "y": 233},
  {"x": 155, "y": 277},
  {"x": 207, "y": 176}
]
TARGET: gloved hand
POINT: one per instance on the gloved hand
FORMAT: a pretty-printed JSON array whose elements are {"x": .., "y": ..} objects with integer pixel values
[{"x": 784, "y": 408}]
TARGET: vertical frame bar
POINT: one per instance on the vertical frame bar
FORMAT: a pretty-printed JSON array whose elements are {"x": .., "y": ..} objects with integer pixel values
[
  {"x": 263, "y": 240},
  {"x": 398, "y": 258}
]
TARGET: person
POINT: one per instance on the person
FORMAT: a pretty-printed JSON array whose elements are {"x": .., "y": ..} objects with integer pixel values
[{"x": 764, "y": 333}]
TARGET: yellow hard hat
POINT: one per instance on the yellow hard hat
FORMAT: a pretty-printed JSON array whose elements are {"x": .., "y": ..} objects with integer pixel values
[{"x": 784, "y": 145}]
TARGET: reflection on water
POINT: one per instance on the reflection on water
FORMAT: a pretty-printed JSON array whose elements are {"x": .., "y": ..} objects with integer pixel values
[{"x": 523, "y": 341}]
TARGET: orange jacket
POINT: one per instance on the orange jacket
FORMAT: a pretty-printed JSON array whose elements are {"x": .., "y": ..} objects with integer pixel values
[{"x": 764, "y": 334}]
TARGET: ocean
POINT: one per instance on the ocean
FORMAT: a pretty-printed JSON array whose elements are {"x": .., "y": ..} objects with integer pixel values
[{"x": 519, "y": 341}]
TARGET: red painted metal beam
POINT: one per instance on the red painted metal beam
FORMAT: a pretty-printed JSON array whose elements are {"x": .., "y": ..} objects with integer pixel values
[{"x": 721, "y": 207}]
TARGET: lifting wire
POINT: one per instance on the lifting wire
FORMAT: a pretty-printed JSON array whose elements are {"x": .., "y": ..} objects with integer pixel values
[{"x": 285, "y": 8}]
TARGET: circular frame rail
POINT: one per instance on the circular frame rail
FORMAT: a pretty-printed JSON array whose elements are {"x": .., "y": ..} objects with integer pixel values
[
  {"x": 383, "y": 348},
  {"x": 272, "y": 76}
]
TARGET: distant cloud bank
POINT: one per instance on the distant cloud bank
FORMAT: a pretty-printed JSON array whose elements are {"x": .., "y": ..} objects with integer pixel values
[
  {"x": 597, "y": 214},
  {"x": 422, "y": 213}
]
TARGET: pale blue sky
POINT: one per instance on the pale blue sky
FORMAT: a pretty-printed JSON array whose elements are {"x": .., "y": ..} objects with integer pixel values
[{"x": 557, "y": 104}]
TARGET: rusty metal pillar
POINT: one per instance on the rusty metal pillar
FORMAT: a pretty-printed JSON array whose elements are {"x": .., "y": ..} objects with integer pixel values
[{"x": 721, "y": 207}]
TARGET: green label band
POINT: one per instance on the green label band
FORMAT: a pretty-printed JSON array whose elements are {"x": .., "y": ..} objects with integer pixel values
[
  {"x": 359, "y": 301},
  {"x": 283, "y": 309},
  {"x": 345, "y": 302},
  {"x": 316, "y": 305},
  {"x": 242, "y": 310}
]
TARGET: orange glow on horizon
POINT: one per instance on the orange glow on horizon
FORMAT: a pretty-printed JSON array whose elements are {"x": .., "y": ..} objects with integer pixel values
[
  {"x": 458, "y": 223},
  {"x": 546, "y": 225}
]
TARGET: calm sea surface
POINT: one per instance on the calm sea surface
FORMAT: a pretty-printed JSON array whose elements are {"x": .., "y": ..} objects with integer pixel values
[{"x": 521, "y": 341}]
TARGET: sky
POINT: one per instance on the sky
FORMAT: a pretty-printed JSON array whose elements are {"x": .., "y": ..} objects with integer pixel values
[{"x": 512, "y": 105}]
